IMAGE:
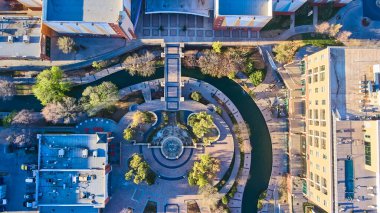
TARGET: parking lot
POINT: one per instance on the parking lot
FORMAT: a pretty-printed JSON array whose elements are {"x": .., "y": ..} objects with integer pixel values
[{"x": 14, "y": 177}]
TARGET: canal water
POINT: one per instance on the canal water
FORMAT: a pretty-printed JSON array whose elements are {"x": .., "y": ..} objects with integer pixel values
[{"x": 261, "y": 164}]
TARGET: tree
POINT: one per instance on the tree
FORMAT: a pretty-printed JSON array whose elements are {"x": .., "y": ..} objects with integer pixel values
[
  {"x": 139, "y": 171},
  {"x": 66, "y": 111},
  {"x": 217, "y": 46},
  {"x": 322, "y": 28},
  {"x": 7, "y": 89},
  {"x": 334, "y": 29},
  {"x": 210, "y": 195},
  {"x": 204, "y": 171},
  {"x": 256, "y": 77},
  {"x": 50, "y": 86},
  {"x": 142, "y": 65},
  {"x": 7, "y": 120},
  {"x": 24, "y": 118},
  {"x": 201, "y": 123},
  {"x": 343, "y": 36},
  {"x": 196, "y": 96},
  {"x": 140, "y": 117},
  {"x": 285, "y": 51},
  {"x": 66, "y": 44},
  {"x": 21, "y": 139},
  {"x": 96, "y": 98},
  {"x": 129, "y": 133}
]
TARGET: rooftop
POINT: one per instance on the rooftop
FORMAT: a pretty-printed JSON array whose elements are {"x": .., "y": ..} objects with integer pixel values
[
  {"x": 73, "y": 151},
  {"x": 245, "y": 7},
  {"x": 83, "y": 10},
  {"x": 200, "y": 8},
  {"x": 73, "y": 169}
]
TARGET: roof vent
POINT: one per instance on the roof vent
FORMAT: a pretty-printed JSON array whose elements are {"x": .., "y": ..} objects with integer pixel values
[{"x": 61, "y": 153}]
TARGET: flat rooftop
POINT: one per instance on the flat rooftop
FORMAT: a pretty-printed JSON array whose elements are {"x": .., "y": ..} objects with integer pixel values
[
  {"x": 199, "y": 7},
  {"x": 244, "y": 7},
  {"x": 17, "y": 27},
  {"x": 67, "y": 151},
  {"x": 83, "y": 10},
  {"x": 72, "y": 187}
]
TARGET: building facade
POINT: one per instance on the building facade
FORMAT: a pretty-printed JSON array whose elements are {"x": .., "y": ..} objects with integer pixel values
[{"x": 339, "y": 84}]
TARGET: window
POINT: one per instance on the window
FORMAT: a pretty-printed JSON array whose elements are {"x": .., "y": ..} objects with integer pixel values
[
  {"x": 316, "y": 143},
  {"x": 309, "y": 72},
  {"x": 367, "y": 150},
  {"x": 367, "y": 136},
  {"x": 324, "y": 157},
  {"x": 315, "y": 114},
  {"x": 310, "y": 114},
  {"x": 324, "y": 171},
  {"x": 310, "y": 140},
  {"x": 316, "y": 90},
  {"x": 317, "y": 167},
  {"x": 311, "y": 176},
  {"x": 323, "y": 102},
  {"x": 310, "y": 132},
  {"x": 322, "y": 76},
  {"x": 323, "y": 134},
  {"x": 324, "y": 202},
  {"x": 309, "y": 79},
  {"x": 316, "y": 102},
  {"x": 323, "y": 89},
  {"x": 324, "y": 183},
  {"x": 315, "y": 70},
  {"x": 315, "y": 78},
  {"x": 323, "y": 143},
  {"x": 322, "y": 68},
  {"x": 323, "y": 114}
]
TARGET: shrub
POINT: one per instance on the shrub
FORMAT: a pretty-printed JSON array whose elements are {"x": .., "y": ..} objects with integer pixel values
[
  {"x": 201, "y": 123},
  {"x": 225, "y": 200},
  {"x": 99, "y": 65},
  {"x": 217, "y": 46},
  {"x": 7, "y": 120},
  {"x": 140, "y": 117},
  {"x": 142, "y": 65},
  {"x": 196, "y": 96},
  {"x": 285, "y": 51},
  {"x": 129, "y": 133},
  {"x": 7, "y": 89},
  {"x": 256, "y": 77}
]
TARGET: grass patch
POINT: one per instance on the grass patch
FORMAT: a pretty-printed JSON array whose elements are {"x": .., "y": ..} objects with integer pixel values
[
  {"x": 319, "y": 40},
  {"x": 302, "y": 17},
  {"x": 278, "y": 23}
]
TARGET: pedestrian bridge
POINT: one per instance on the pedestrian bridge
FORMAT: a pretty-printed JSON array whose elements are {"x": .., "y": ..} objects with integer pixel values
[{"x": 172, "y": 85}]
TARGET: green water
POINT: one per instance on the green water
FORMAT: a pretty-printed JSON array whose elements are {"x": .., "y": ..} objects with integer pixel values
[{"x": 262, "y": 149}]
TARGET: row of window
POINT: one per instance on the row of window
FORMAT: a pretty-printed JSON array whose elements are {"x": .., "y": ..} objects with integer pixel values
[{"x": 316, "y": 69}]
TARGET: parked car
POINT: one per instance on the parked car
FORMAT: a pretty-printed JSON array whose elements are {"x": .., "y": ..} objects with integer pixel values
[
  {"x": 30, "y": 180},
  {"x": 28, "y": 167}
]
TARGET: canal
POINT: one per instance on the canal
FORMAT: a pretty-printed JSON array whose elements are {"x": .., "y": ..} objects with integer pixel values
[{"x": 261, "y": 161}]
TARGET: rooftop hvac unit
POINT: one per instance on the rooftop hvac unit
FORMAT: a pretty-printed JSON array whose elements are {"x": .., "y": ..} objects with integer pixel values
[
  {"x": 26, "y": 38},
  {"x": 84, "y": 153},
  {"x": 10, "y": 39},
  {"x": 95, "y": 153},
  {"x": 61, "y": 153},
  {"x": 74, "y": 179}
]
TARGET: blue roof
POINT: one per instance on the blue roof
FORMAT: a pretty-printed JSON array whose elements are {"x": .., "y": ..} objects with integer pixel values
[
  {"x": 242, "y": 7},
  {"x": 67, "y": 10}
]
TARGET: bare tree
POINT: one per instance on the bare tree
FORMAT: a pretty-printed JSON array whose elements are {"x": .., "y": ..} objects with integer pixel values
[
  {"x": 24, "y": 118},
  {"x": 20, "y": 139},
  {"x": 343, "y": 36},
  {"x": 334, "y": 29},
  {"x": 66, "y": 111},
  {"x": 142, "y": 65},
  {"x": 210, "y": 195},
  {"x": 7, "y": 89},
  {"x": 322, "y": 28},
  {"x": 66, "y": 44}
]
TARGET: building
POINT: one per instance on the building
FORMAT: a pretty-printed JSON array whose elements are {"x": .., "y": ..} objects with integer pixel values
[
  {"x": 73, "y": 172},
  {"x": 286, "y": 7},
  {"x": 88, "y": 17},
  {"x": 337, "y": 3},
  {"x": 342, "y": 128}
]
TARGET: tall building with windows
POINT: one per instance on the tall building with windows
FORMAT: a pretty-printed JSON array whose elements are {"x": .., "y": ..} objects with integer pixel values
[{"x": 342, "y": 128}]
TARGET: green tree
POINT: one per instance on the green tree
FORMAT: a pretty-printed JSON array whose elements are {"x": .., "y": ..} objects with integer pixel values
[
  {"x": 140, "y": 117},
  {"x": 50, "y": 86},
  {"x": 256, "y": 77},
  {"x": 196, "y": 96},
  {"x": 201, "y": 123},
  {"x": 139, "y": 171},
  {"x": 7, "y": 120},
  {"x": 204, "y": 171},
  {"x": 96, "y": 98},
  {"x": 217, "y": 46},
  {"x": 129, "y": 133}
]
